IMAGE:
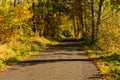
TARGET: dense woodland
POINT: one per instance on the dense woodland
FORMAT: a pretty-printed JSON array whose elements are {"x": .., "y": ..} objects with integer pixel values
[{"x": 96, "y": 22}]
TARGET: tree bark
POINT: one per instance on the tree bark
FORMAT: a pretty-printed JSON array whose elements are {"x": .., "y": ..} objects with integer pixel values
[
  {"x": 74, "y": 23},
  {"x": 93, "y": 23},
  {"x": 99, "y": 17},
  {"x": 34, "y": 18}
]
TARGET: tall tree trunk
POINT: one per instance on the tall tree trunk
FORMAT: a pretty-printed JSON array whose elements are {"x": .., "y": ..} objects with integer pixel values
[
  {"x": 78, "y": 27},
  {"x": 74, "y": 24},
  {"x": 14, "y": 2},
  {"x": 93, "y": 23},
  {"x": 99, "y": 16},
  {"x": 85, "y": 23},
  {"x": 81, "y": 15},
  {"x": 34, "y": 18}
]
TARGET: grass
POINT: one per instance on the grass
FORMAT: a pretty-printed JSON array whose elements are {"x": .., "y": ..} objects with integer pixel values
[
  {"x": 13, "y": 52},
  {"x": 108, "y": 62}
]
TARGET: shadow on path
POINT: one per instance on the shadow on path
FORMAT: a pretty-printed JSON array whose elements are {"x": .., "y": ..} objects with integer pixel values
[
  {"x": 69, "y": 50},
  {"x": 34, "y": 62}
]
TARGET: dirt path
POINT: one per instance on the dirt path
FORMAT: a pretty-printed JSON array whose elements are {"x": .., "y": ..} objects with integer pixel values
[{"x": 65, "y": 61}]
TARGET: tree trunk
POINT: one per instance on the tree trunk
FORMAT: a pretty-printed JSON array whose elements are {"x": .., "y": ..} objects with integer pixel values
[
  {"x": 99, "y": 16},
  {"x": 93, "y": 23},
  {"x": 81, "y": 15},
  {"x": 34, "y": 18},
  {"x": 74, "y": 23}
]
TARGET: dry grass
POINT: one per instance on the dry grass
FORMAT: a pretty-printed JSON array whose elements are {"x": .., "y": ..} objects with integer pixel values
[
  {"x": 42, "y": 40},
  {"x": 12, "y": 51}
]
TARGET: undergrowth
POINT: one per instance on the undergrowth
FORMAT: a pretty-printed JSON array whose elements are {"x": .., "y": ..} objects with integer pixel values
[
  {"x": 108, "y": 62},
  {"x": 13, "y": 52}
]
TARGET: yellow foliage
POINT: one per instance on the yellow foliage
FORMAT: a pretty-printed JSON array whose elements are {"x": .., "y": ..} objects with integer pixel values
[
  {"x": 42, "y": 40},
  {"x": 104, "y": 69},
  {"x": 101, "y": 40}
]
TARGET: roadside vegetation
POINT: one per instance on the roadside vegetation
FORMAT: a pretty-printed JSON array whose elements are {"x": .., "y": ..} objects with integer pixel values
[
  {"x": 13, "y": 52},
  {"x": 105, "y": 48},
  {"x": 18, "y": 38}
]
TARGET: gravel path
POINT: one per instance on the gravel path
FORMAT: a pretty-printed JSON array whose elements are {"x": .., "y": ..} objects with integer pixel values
[{"x": 65, "y": 61}]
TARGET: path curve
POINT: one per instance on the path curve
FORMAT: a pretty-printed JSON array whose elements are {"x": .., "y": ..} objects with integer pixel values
[{"x": 65, "y": 61}]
